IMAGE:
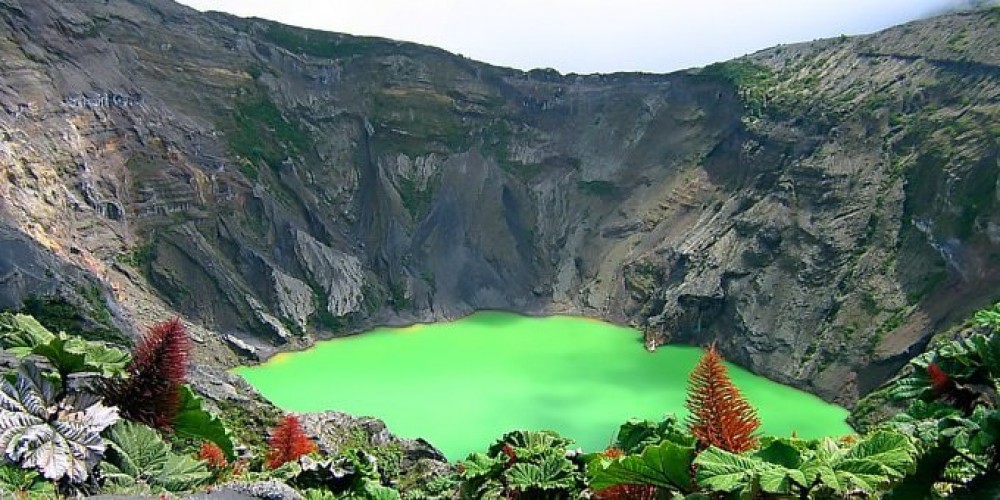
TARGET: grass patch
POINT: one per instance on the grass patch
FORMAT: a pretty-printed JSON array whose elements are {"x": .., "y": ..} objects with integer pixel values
[
  {"x": 59, "y": 315},
  {"x": 752, "y": 80},
  {"x": 601, "y": 189},
  {"x": 416, "y": 201},
  {"x": 322, "y": 44},
  {"x": 397, "y": 297},
  {"x": 416, "y": 121},
  {"x": 139, "y": 257},
  {"x": 261, "y": 133},
  {"x": 249, "y": 423}
]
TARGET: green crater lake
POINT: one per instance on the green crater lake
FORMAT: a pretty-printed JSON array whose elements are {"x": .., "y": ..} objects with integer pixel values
[{"x": 461, "y": 385}]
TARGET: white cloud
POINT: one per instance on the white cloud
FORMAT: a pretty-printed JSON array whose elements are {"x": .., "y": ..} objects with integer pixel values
[{"x": 586, "y": 36}]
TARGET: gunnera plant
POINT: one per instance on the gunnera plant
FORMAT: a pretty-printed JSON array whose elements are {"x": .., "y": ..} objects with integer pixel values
[{"x": 44, "y": 428}]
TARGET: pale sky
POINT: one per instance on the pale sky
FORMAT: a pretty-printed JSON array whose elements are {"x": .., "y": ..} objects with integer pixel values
[{"x": 589, "y": 36}]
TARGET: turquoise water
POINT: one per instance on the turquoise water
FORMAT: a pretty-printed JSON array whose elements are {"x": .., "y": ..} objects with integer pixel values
[{"x": 461, "y": 385}]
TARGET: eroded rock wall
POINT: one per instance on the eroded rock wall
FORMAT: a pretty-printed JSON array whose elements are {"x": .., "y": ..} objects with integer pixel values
[{"x": 818, "y": 209}]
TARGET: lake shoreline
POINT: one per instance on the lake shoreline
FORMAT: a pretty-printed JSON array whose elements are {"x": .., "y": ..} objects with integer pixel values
[{"x": 580, "y": 366}]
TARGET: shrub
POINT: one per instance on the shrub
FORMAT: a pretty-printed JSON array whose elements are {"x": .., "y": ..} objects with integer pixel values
[
  {"x": 59, "y": 436},
  {"x": 524, "y": 465},
  {"x": 23, "y": 335}
]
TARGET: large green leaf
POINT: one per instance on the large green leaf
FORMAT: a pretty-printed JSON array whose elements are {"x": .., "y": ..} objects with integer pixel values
[
  {"x": 892, "y": 453},
  {"x": 721, "y": 470},
  {"x": 781, "y": 480},
  {"x": 99, "y": 357},
  {"x": 142, "y": 457},
  {"x": 666, "y": 465},
  {"x": 553, "y": 473},
  {"x": 781, "y": 452},
  {"x": 988, "y": 435},
  {"x": 20, "y": 333},
  {"x": 193, "y": 420},
  {"x": 530, "y": 445},
  {"x": 181, "y": 473},
  {"x": 989, "y": 350},
  {"x": 635, "y": 435},
  {"x": 24, "y": 483},
  {"x": 115, "y": 479},
  {"x": 374, "y": 491},
  {"x": 989, "y": 318},
  {"x": 138, "y": 450},
  {"x": 58, "y": 436},
  {"x": 479, "y": 464},
  {"x": 866, "y": 476},
  {"x": 22, "y": 336}
]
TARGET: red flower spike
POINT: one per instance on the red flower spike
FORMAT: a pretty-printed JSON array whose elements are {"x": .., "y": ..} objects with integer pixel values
[
  {"x": 151, "y": 393},
  {"x": 940, "y": 381},
  {"x": 213, "y": 455},
  {"x": 719, "y": 415},
  {"x": 288, "y": 442},
  {"x": 511, "y": 455}
]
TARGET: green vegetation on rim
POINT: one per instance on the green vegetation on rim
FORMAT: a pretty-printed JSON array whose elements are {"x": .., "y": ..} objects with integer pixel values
[
  {"x": 261, "y": 133},
  {"x": 320, "y": 43}
]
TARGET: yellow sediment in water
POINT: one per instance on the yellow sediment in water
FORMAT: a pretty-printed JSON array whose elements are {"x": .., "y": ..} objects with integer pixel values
[{"x": 462, "y": 384}]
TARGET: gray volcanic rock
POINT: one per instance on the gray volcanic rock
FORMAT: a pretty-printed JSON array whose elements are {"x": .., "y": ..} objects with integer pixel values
[
  {"x": 339, "y": 273},
  {"x": 403, "y": 461},
  {"x": 334, "y": 431},
  {"x": 266, "y": 490},
  {"x": 818, "y": 209}
]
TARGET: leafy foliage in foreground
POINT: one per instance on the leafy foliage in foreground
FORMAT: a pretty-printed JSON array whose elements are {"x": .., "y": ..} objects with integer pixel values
[
  {"x": 141, "y": 462},
  {"x": 353, "y": 474},
  {"x": 810, "y": 468},
  {"x": 42, "y": 429},
  {"x": 22, "y": 335},
  {"x": 523, "y": 464},
  {"x": 22, "y": 483},
  {"x": 948, "y": 441},
  {"x": 653, "y": 454},
  {"x": 192, "y": 420},
  {"x": 953, "y": 416},
  {"x": 665, "y": 465}
]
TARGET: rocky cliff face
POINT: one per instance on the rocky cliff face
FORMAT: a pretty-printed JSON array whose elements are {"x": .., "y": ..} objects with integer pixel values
[{"x": 819, "y": 209}]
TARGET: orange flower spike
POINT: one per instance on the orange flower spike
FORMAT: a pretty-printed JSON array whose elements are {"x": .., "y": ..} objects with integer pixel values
[
  {"x": 719, "y": 415},
  {"x": 288, "y": 442},
  {"x": 213, "y": 455}
]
